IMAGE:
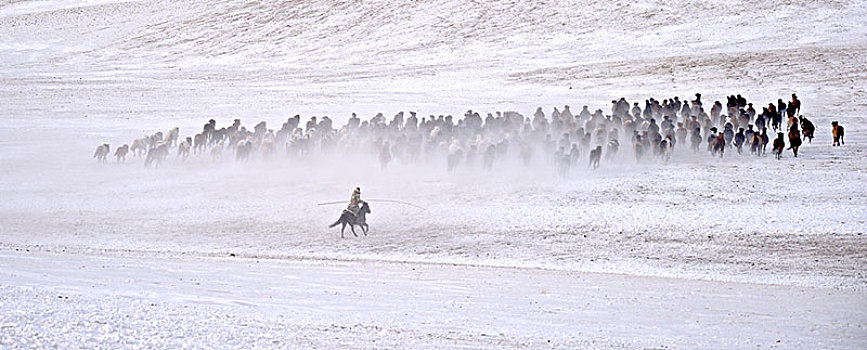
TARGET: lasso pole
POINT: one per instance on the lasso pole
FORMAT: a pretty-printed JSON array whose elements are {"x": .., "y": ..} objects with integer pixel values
[{"x": 374, "y": 200}]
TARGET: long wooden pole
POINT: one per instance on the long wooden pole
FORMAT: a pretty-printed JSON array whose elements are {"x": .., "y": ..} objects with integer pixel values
[{"x": 375, "y": 200}]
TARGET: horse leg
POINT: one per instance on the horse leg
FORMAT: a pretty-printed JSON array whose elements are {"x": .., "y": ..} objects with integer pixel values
[
  {"x": 342, "y": 228},
  {"x": 352, "y": 227},
  {"x": 364, "y": 228}
]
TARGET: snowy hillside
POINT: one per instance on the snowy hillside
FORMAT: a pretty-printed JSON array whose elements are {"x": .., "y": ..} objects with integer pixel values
[
  {"x": 621, "y": 257},
  {"x": 513, "y": 53}
]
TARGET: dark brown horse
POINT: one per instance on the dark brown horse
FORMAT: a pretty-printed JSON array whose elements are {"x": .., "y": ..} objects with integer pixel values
[
  {"x": 718, "y": 145},
  {"x": 347, "y": 218},
  {"x": 808, "y": 129},
  {"x": 779, "y": 145},
  {"x": 794, "y": 139},
  {"x": 837, "y": 132}
]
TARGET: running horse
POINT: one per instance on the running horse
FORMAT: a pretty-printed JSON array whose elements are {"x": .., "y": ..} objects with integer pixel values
[{"x": 347, "y": 218}]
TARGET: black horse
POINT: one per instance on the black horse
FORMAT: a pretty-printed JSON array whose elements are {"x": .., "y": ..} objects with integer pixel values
[
  {"x": 347, "y": 218},
  {"x": 808, "y": 128}
]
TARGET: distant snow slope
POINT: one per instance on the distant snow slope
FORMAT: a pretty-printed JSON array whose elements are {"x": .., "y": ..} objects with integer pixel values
[{"x": 601, "y": 48}]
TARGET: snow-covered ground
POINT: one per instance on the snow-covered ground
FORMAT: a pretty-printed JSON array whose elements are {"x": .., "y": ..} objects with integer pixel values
[
  {"x": 173, "y": 301},
  {"x": 699, "y": 252}
]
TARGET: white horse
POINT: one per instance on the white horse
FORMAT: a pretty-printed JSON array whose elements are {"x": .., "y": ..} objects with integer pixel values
[{"x": 101, "y": 153}]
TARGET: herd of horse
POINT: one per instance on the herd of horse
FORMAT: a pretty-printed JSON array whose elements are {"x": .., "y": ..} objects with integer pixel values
[{"x": 560, "y": 138}]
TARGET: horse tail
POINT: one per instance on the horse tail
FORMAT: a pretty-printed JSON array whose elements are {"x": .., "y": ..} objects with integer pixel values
[{"x": 336, "y": 222}]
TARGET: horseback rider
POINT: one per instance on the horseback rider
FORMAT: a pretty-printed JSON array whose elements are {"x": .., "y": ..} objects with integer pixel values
[{"x": 355, "y": 201}]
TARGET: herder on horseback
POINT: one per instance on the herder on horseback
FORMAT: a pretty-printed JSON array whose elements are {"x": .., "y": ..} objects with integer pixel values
[
  {"x": 354, "y": 214},
  {"x": 354, "y": 201}
]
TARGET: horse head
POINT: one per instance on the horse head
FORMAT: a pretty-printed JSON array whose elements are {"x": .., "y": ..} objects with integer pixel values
[{"x": 365, "y": 208}]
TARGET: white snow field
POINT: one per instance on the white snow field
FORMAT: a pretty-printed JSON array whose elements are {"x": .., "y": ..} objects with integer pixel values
[{"x": 733, "y": 253}]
